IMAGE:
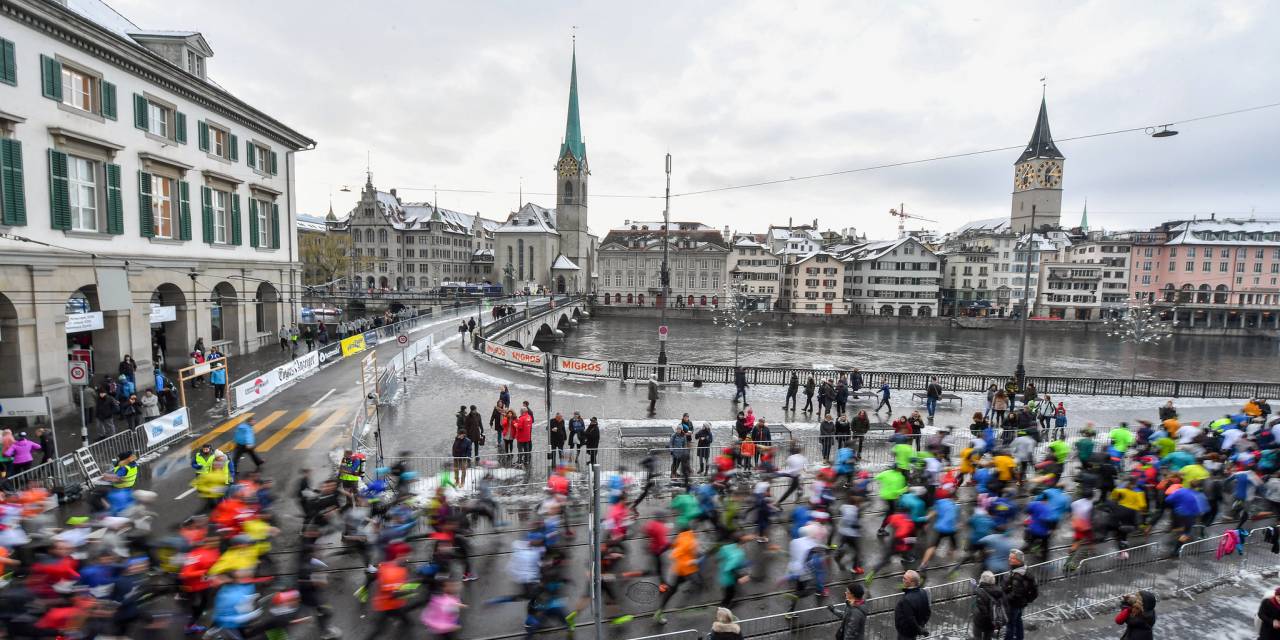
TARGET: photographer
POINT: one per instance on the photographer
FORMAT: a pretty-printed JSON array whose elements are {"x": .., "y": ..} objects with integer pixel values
[{"x": 1138, "y": 615}]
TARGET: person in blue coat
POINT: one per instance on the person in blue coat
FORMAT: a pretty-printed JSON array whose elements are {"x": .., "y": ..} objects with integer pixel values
[
  {"x": 245, "y": 439},
  {"x": 884, "y": 398}
]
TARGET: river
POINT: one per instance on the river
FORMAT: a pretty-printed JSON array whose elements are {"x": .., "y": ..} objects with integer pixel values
[{"x": 943, "y": 349}]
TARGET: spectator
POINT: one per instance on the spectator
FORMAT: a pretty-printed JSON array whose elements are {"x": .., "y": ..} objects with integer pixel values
[
  {"x": 1020, "y": 590},
  {"x": 912, "y": 612},
  {"x": 1138, "y": 615},
  {"x": 853, "y": 626},
  {"x": 725, "y": 627},
  {"x": 991, "y": 613}
]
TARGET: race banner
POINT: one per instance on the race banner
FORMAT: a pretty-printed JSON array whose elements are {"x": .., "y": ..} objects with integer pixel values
[
  {"x": 306, "y": 364},
  {"x": 329, "y": 353},
  {"x": 259, "y": 387},
  {"x": 353, "y": 345},
  {"x": 582, "y": 366},
  {"x": 166, "y": 427},
  {"x": 512, "y": 354}
]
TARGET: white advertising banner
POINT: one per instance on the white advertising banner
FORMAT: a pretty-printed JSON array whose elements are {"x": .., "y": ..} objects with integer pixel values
[
  {"x": 166, "y": 427},
  {"x": 161, "y": 314},
  {"x": 87, "y": 321},
  {"x": 512, "y": 354},
  {"x": 582, "y": 366},
  {"x": 23, "y": 407},
  {"x": 262, "y": 386}
]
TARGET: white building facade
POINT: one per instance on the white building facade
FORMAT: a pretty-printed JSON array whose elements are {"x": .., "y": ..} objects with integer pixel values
[
  {"x": 159, "y": 208},
  {"x": 812, "y": 284},
  {"x": 631, "y": 265},
  {"x": 894, "y": 278},
  {"x": 756, "y": 271}
]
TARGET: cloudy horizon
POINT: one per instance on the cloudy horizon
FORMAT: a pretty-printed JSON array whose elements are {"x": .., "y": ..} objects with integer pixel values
[{"x": 473, "y": 97}]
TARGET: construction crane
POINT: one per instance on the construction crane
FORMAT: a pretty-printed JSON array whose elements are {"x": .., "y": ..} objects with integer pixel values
[{"x": 902, "y": 215}]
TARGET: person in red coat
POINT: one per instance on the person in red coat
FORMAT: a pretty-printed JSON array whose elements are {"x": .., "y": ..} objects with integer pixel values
[{"x": 524, "y": 437}]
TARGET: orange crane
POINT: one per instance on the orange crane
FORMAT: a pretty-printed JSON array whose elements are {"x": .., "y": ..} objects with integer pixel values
[{"x": 902, "y": 215}]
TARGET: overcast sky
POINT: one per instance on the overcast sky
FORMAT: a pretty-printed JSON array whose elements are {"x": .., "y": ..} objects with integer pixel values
[{"x": 472, "y": 95}]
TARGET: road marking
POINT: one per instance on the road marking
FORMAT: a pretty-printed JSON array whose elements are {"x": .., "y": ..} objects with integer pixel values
[
  {"x": 323, "y": 397},
  {"x": 319, "y": 430},
  {"x": 185, "y": 493},
  {"x": 257, "y": 427},
  {"x": 222, "y": 428},
  {"x": 284, "y": 433}
]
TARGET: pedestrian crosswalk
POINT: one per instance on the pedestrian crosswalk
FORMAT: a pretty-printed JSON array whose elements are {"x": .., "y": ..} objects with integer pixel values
[{"x": 283, "y": 429}]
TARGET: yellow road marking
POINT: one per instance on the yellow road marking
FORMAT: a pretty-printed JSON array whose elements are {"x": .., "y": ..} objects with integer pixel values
[
  {"x": 284, "y": 433},
  {"x": 257, "y": 427},
  {"x": 222, "y": 428},
  {"x": 319, "y": 430}
]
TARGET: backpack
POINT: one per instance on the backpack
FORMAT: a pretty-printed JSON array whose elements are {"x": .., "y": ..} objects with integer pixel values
[
  {"x": 999, "y": 612},
  {"x": 1033, "y": 589}
]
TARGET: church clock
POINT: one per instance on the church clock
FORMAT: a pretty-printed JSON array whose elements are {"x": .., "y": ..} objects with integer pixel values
[
  {"x": 567, "y": 167},
  {"x": 1051, "y": 174}
]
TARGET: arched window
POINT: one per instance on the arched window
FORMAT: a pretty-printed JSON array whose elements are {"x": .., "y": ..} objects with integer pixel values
[
  {"x": 617, "y": 298},
  {"x": 369, "y": 283},
  {"x": 715, "y": 301},
  {"x": 510, "y": 259},
  {"x": 1203, "y": 296},
  {"x": 568, "y": 191},
  {"x": 640, "y": 299},
  {"x": 703, "y": 301},
  {"x": 382, "y": 235},
  {"x": 368, "y": 235},
  {"x": 606, "y": 298},
  {"x": 532, "y": 273},
  {"x": 1184, "y": 296},
  {"x": 1169, "y": 293},
  {"x": 1220, "y": 294},
  {"x": 630, "y": 299},
  {"x": 520, "y": 265},
  {"x": 691, "y": 301}
]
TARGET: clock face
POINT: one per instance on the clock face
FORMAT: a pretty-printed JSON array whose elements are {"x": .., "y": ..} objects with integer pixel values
[
  {"x": 1051, "y": 174},
  {"x": 1024, "y": 177},
  {"x": 567, "y": 167}
]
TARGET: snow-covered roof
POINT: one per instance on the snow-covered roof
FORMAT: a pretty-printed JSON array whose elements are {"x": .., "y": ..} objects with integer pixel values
[
  {"x": 702, "y": 239},
  {"x": 989, "y": 225},
  {"x": 880, "y": 248},
  {"x": 749, "y": 243},
  {"x": 311, "y": 223},
  {"x": 531, "y": 218},
  {"x": 563, "y": 263},
  {"x": 417, "y": 215},
  {"x": 1227, "y": 232},
  {"x": 793, "y": 233}
]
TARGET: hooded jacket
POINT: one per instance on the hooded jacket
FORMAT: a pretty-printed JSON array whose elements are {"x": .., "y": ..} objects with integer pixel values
[{"x": 1139, "y": 626}]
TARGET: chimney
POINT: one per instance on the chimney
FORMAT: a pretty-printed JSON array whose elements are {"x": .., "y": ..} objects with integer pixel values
[
  {"x": 393, "y": 193},
  {"x": 726, "y": 232},
  {"x": 815, "y": 224}
]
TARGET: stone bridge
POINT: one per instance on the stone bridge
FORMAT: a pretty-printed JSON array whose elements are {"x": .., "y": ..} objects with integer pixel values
[{"x": 547, "y": 323}]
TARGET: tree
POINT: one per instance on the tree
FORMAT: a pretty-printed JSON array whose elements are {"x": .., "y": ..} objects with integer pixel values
[
  {"x": 327, "y": 257},
  {"x": 1142, "y": 324},
  {"x": 735, "y": 313}
]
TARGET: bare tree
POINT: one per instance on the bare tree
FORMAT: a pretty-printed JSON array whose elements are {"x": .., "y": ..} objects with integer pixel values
[
  {"x": 330, "y": 257},
  {"x": 735, "y": 312},
  {"x": 1142, "y": 324}
]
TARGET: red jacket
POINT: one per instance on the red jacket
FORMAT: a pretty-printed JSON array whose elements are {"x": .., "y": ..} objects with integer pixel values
[
  {"x": 524, "y": 428},
  {"x": 195, "y": 571}
]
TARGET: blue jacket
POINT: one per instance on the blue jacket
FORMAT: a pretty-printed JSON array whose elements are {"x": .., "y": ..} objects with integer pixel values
[
  {"x": 884, "y": 390},
  {"x": 218, "y": 376},
  {"x": 244, "y": 434},
  {"x": 234, "y": 606}
]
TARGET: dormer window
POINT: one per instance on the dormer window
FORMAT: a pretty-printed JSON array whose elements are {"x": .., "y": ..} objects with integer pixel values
[{"x": 195, "y": 63}]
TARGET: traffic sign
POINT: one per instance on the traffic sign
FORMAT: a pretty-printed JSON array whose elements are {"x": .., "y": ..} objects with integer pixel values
[
  {"x": 403, "y": 339},
  {"x": 662, "y": 333},
  {"x": 78, "y": 372}
]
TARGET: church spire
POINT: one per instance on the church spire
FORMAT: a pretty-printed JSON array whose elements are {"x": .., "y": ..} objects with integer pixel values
[
  {"x": 1084, "y": 217},
  {"x": 1041, "y": 144},
  {"x": 573, "y": 124}
]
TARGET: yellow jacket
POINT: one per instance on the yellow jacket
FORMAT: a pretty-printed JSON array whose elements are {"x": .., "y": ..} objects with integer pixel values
[
  {"x": 1130, "y": 499},
  {"x": 212, "y": 483},
  {"x": 235, "y": 559}
]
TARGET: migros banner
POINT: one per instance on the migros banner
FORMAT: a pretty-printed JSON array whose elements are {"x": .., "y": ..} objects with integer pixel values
[
  {"x": 518, "y": 356},
  {"x": 353, "y": 344},
  {"x": 582, "y": 366}
]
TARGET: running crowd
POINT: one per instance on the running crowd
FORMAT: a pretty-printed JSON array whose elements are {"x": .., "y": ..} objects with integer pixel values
[{"x": 988, "y": 503}]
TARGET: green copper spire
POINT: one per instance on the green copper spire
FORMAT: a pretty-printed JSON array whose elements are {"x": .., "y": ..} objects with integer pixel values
[
  {"x": 1084, "y": 217},
  {"x": 573, "y": 125}
]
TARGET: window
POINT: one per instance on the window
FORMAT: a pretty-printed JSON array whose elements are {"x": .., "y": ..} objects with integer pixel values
[
  {"x": 263, "y": 159},
  {"x": 158, "y": 117},
  {"x": 218, "y": 202},
  {"x": 1222, "y": 267},
  {"x": 265, "y": 232},
  {"x": 162, "y": 206},
  {"x": 82, "y": 189},
  {"x": 195, "y": 63},
  {"x": 77, "y": 89}
]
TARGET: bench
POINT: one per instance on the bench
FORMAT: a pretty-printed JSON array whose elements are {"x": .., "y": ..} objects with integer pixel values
[
  {"x": 644, "y": 433},
  {"x": 921, "y": 396}
]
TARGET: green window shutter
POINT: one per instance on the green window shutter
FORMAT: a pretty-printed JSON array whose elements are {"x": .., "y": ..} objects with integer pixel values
[
  {"x": 13, "y": 199},
  {"x": 51, "y": 78},
  {"x": 202, "y": 135},
  {"x": 249, "y": 155},
  {"x": 184, "y": 211},
  {"x": 253, "y": 222},
  {"x": 8, "y": 65},
  {"x": 107, "y": 102},
  {"x": 235, "y": 219},
  {"x": 180, "y": 134},
  {"x": 273, "y": 163},
  {"x": 139, "y": 111},
  {"x": 275, "y": 226},
  {"x": 115, "y": 203},
  {"x": 59, "y": 198},
  {"x": 235, "y": 147},
  {"x": 206, "y": 210},
  {"x": 146, "y": 221}
]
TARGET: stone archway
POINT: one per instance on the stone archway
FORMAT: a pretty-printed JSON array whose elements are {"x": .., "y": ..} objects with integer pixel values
[
  {"x": 10, "y": 350},
  {"x": 886, "y": 310},
  {"x": 925, "y": 312},
  {"x": 172, "y": 338},
  {"x": 99, "y": 346},
  {"x": 905, "y": 311},
  {"x": 383, "y": 283},
  {"x": 266, "y": 309},
  {"x": 224, "y": 316}
]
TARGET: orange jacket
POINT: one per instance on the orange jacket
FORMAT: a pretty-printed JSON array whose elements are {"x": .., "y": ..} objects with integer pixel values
[
  {"x": 684, "y": 553},
  {"x": 391, "y": 577}
]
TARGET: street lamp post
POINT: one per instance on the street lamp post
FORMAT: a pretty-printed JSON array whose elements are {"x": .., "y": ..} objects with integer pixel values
[
  {"x": 664, "y": 277},
  {"x": 1020, "y": 374}
]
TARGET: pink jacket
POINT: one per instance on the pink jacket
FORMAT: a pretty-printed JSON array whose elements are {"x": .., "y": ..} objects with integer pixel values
[
  {"x": 21, "y": 450},
  {"x": 440, "y": 616}
]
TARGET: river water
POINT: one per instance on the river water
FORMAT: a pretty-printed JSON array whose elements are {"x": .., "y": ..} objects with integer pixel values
[{"x": 942, "y": 349}]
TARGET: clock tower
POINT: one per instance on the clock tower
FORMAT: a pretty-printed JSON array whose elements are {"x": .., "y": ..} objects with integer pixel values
[
  {"x": 1037, "y": 180},
  {"x": 571, "y": 183}
]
